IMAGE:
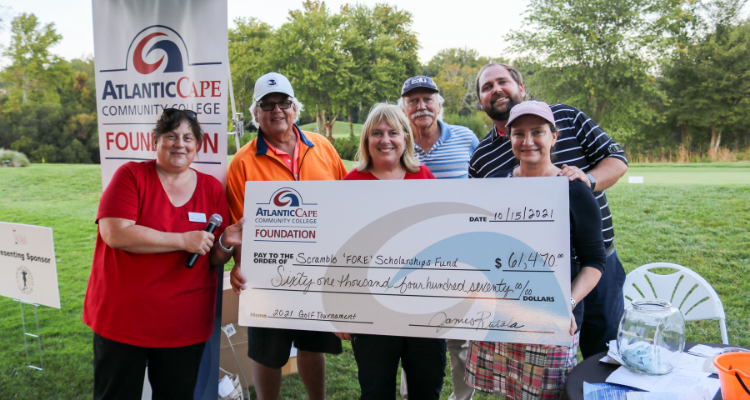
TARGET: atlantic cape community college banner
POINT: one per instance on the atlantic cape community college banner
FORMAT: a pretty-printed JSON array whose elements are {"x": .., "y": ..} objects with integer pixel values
[
  {"x": 481, "y": 259},
  {"x": 152, "y": 55}
]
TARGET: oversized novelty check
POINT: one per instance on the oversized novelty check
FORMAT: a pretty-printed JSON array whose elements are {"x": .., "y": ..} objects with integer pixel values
[{"x": 481, "y": 259}]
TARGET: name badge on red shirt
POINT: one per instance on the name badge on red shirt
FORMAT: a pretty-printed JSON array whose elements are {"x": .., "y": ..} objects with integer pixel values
[{"x": 196, "y": 217}]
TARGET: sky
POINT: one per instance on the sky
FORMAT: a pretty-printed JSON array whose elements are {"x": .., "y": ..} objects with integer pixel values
[{"x": 464, "y": 23}]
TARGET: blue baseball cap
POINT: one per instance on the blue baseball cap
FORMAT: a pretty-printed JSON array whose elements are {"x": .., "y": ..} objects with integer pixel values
[{"x": 419, "y": 81}]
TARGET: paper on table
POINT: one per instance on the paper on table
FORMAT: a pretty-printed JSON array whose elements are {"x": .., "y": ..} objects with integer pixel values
[
  {"x": 614, "y": 353},
  {"x": 680, "y": 380},
  {"x": 604, "y": 391},
  {"x": 692, "y": 363},
  {"x": 703, "y": 395},
  {"x": 609, "y": 360},
  {"x": 225, "y": 386},
  {"x": 701, "y": 350},
  {"x": 687, "y": 361}
]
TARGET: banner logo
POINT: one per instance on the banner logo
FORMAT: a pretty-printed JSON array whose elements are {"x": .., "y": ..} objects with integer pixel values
[
  {"x": 173, "y": 54},
  {"x": 19, "y": 238},
  {"x": 286, "y": 197},
  {"x": 158, "y": 48}
]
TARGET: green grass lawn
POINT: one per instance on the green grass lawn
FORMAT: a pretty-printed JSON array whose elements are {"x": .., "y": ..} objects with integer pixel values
[
  {"x": 688, "y": 174},
  {"x": 340, "y": 129},
  {"x": 704, "y": 227}
]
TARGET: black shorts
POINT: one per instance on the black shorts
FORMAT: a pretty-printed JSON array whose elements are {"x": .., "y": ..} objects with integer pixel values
[{"x": 270, "y": 347}]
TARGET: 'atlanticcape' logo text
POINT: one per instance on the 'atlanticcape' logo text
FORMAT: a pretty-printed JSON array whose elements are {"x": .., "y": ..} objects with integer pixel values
[
  {"x": 286, "y": 209},
  {"x": 162, "y": 50},
  {"x": 286, "y": 202},
  {"x": 157, "y": 74}
]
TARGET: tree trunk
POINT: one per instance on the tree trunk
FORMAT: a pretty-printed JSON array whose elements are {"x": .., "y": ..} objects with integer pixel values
[
  {"x": 329, "y": 126},
  {"x": 319, "y": 121},
  {"x": 713, "y": 149},
  {"x": 325, "y": 129},
  {"x": 25, "y": 91},
  {"x": 684, "y": 138},
  {"x": 684, "y": 144},
  {"x": 351, "y": 124},
  {"x": 717, "y": 145}
]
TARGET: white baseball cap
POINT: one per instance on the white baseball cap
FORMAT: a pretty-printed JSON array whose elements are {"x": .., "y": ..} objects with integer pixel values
[{"x": 272, "y": 82}]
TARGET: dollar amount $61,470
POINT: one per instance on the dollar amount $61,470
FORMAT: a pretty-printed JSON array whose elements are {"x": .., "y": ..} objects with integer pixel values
[{"x": 528, "y": 260}]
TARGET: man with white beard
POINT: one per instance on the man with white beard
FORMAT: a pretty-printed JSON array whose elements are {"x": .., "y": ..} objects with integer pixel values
[{"x": 446, "y": 150}]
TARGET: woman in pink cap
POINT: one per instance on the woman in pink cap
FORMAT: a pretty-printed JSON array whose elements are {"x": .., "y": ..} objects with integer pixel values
[{"x": 532, "y": 371}]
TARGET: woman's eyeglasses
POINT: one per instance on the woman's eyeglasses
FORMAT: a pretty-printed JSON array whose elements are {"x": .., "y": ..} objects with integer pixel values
[
  {"x": 168, "y": 112},
  {"x": 269, "y": 106}
]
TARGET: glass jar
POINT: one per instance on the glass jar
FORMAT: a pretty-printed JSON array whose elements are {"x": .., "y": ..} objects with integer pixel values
[{"x": 651, "y": 336}]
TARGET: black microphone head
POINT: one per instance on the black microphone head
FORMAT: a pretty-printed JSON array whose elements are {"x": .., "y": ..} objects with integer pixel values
[{"x": 216, "y": 220}]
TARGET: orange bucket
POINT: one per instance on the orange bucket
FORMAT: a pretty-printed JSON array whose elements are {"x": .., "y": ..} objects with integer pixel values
[{"x": 734, "y": 375}]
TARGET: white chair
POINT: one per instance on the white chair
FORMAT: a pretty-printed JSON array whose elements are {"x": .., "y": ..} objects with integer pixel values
[{"x": 685, "y": 289}]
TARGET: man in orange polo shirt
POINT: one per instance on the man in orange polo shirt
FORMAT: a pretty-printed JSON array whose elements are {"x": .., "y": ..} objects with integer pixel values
[{"x": 281, "y": 152}]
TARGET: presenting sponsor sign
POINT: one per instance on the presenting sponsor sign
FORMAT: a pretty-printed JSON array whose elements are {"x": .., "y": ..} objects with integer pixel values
[
  {"x": 485, "y": 259},
  {"x": 155, "y": 55},
  {"x": 28, "y": 270}
]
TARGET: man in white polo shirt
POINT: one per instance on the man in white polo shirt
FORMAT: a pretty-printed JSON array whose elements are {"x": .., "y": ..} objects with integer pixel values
[{"x": 446, "y": 150}]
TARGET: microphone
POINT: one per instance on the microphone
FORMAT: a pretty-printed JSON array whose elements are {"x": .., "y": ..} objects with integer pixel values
[{"x": 213, "y": 223}]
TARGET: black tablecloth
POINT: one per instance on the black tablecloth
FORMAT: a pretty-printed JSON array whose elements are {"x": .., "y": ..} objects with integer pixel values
[{"x": 592, "y": 370}]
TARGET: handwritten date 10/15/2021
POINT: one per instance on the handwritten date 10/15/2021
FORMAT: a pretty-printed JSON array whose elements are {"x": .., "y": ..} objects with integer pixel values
[
  {"x": 527, "y": 215},
  {"x": 527, "y": 261}
]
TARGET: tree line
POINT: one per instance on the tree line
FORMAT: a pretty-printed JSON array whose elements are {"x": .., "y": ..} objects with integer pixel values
[
  {"x": 666, "y": 78},
  {"x": 47, "y": 104}
]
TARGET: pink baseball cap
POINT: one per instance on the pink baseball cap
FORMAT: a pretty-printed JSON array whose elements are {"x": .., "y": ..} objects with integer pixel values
[{"x": 531, "y": 107}]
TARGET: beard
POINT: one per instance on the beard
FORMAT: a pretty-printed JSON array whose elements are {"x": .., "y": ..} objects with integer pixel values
[{"x": 501, "y": 115}]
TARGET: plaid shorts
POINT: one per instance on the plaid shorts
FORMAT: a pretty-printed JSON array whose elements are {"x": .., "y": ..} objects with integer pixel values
[{"x": 520, "y": 371}]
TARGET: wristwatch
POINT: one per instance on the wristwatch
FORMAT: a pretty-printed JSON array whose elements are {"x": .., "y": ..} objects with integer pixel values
[{"x": 592, "y": 180}]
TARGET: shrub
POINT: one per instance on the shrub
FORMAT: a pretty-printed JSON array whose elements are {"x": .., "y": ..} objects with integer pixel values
[
  {"x": 245, "y": 139},
  {"x": 44, "y": 153},
  {"x": 347, "y": 147},
  {"x": 478, "y": 122},
  {"x": 10, "y": 158}
]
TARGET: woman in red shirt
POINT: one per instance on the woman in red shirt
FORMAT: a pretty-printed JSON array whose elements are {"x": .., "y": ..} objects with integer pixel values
[
  {"x": 386, "y": 151},
  {"x": 144, "y": 306}
]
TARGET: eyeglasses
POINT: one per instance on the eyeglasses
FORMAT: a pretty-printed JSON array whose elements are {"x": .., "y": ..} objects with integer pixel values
[
  {"x": 168, "y": 112},
  {"x": 269, "y": 106}
]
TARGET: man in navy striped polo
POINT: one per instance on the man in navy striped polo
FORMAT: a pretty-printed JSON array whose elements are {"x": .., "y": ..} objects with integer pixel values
[
  {"x": 583, "y": 151},
  {"x": 445, "y": 150}
]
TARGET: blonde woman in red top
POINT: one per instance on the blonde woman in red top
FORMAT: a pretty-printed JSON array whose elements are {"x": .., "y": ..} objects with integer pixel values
[{"x": 386, "y": 151}]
